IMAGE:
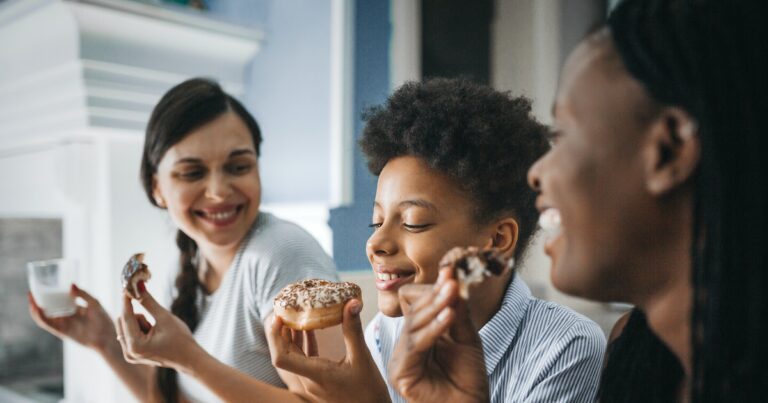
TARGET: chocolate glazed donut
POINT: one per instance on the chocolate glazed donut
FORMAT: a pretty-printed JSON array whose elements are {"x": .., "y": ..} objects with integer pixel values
[
  {"x": 133, "y": 272},
  {"x": 314, "y": 304},
  {"x": 472, "y": 265}
]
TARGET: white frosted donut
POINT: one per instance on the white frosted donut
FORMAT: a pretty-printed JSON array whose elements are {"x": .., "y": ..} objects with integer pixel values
[{"x": 314, "y": 304}]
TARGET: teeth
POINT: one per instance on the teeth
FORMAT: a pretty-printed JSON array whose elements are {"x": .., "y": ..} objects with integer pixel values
[
  {"x": 388, "y": 276},
  {"x": 549, "y": 220},
  {"x": 222, "y": 216}
]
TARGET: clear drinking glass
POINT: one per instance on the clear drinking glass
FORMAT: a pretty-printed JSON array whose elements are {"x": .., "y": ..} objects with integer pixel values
[{"x": 50, "y": 282}]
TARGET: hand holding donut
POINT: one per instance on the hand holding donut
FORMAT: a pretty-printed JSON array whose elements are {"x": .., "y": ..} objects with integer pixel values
[
  {"x": 439, "y": 356},
  {"x": 325, "y": 380},
  {"x": 167, "y": 343}
]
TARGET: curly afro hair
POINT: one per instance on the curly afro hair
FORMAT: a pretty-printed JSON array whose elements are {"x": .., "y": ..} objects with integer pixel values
[{"x": 485, "y": 140}]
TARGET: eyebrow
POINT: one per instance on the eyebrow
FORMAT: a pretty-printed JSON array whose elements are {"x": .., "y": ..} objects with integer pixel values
[
  {"x": 412, "y": 203},
  {"x": 234, "y": 153}
]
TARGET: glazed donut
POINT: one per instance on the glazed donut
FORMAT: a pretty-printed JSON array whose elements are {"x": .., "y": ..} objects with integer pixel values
[
  {"x": 472, "y": 265},
  {"x": 133, "y": 272},
  {"x": 314, "y": 304}
]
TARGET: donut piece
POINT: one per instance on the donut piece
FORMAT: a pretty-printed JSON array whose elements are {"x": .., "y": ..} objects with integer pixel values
[
  {"x": 133, "y": 272},
  {"x": 314, "y": 304},
  {"x": 472, "y": 265}
]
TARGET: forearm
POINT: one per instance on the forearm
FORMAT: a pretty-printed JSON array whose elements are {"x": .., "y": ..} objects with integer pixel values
[
  {"x": 231, "y": 385},
  {"x": 135, "y": 376}
]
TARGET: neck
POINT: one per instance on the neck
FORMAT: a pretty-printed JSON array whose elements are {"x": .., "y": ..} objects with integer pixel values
[
  {"x": 669, "y": 315},
  {"x": 486, "y": 301},
  {"x": 215, "y": 263},
  {"x": 218, "y": 258},
  {"x": 668, "y": 306}
]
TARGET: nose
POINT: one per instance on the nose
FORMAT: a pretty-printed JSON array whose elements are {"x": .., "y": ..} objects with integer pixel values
[
  {"x": 534, "y": 175},
  {"x": 381, "y": 243},
  {"x": 218, "y": 187}
]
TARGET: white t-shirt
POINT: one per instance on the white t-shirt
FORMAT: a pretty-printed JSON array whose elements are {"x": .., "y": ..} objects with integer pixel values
[{"x": 231, "y": 329}]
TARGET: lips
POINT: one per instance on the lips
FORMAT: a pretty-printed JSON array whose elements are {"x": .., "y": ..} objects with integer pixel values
[
  {"x": 220, "y": 216},
  {"x": 389, "y": 278}
]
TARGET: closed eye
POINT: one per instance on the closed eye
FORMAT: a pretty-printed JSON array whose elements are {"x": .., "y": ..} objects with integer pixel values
[
  {"x": 416, "y": 226},
  {"x": 239, "y": 169},
  {"x": 191, "y": 175},
  {"x": 553, "y": 136}
]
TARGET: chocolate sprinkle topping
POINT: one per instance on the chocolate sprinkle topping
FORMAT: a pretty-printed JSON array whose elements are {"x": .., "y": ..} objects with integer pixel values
[{"x": 316, "y": 293}]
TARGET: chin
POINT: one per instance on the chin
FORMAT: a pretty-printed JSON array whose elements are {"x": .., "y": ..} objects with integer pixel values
[{"x": 389, "y": 305}]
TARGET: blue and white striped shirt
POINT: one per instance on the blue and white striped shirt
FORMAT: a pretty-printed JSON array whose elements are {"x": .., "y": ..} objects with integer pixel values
[{"x": 535, "y": 351}]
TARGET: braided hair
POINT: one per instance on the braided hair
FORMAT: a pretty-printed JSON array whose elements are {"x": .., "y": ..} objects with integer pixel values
[
  {"x": 709, "y": 58},
  {"x": 184, "y": 108}
]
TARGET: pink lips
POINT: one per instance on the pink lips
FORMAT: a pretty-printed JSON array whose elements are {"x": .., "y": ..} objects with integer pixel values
[{"x": 388, "y": 279}]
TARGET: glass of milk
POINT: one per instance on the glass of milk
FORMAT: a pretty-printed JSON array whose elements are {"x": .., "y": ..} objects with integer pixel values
[{"x": 50, "y": 282}]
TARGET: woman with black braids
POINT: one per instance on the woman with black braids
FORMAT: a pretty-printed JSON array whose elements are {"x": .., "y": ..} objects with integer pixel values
[
  {"x": 655, "y": 194},
  {"x": 200, "y": 163}
]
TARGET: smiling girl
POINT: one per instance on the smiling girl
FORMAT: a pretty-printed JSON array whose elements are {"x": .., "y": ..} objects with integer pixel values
[{"x": 451, "y": 159}]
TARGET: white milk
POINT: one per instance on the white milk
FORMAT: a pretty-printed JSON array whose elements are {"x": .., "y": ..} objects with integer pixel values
[{"x": 55, "y": 303}]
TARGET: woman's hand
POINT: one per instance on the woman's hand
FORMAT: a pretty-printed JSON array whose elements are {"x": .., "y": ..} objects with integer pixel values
[
  {"x": 167, "y": 343},
  {"x": 90, "y": 325},
  {"x": 439, "y": 356},
  {"x": 355, "y": 377}
]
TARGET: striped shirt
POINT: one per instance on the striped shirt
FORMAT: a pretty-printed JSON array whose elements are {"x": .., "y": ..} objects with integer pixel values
[
  {"x": 535, "y": 351},
  {"x": 231, "y": 329}
]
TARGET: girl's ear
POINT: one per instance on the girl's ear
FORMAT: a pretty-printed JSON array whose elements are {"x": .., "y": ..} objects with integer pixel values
[{"x": 504, "y": 236}]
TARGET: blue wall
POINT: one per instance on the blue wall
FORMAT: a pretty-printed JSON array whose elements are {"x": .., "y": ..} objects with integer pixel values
[
  {"x": 289, "y": 94},
  {"x": 372, "y": 37}
]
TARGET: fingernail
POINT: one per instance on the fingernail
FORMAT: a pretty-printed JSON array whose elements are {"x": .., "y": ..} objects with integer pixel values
[
  {"x": 142, "y": 288},
  {"x": 444, "y": 292},
  {"x": 74, "y": 288},
  {"x": 356, "y": 307},
  {"x": 440, "y": 279},
  {"x": 443, "y": 315}
]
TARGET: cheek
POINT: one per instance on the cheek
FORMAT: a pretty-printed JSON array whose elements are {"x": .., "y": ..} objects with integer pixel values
[
  {"x": 250, "y": 186},
  {"x": 178, "y": 195},
  {"x": 425, "y": 256}
]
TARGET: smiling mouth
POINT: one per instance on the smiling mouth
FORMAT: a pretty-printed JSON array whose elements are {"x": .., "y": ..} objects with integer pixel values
[
  {"x": 390, "y": 281},
  {"x": 220, "y": 217},
  {"x": 389, "y": 276}
]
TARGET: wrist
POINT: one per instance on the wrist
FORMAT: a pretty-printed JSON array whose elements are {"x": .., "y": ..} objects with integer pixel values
[
  {"x": 192, "y": 360},
  {"x": 109, "y": 348}
]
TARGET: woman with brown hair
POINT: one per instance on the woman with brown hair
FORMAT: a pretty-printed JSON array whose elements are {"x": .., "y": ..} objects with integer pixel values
[{"x": 200, "y": 163}]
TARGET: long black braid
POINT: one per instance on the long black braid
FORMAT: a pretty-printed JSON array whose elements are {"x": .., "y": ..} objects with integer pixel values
[{"x": 710, "y": 57}]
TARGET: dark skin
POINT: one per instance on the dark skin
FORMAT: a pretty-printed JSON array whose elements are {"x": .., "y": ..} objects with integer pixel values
[
  {"x": 620, "y": 175},
  {"x": 419, "y": 215}
]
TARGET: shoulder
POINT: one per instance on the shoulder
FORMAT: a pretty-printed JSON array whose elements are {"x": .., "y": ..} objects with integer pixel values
[
  {"x": 272, "y": 233},
  {"x": 618, "y": 327},
  {"x": 554, "y": 323},
  {"x": 277, "y": 242}
]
